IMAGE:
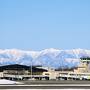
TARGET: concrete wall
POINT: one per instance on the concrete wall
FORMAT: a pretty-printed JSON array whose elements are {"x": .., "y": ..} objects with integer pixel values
[
  {"x": 1, "y": 74},
  {"x": 54, "y": 74},
  {"x": 82, "y": 68}
]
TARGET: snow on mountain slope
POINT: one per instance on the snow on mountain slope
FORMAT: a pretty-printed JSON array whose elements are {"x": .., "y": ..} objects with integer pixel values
[
  {"x": 48, "y": 57},
  {"x": 4, "y": 81}
]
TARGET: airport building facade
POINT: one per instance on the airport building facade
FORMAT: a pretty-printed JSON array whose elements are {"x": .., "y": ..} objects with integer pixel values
[{"x": 22, "y": 72}]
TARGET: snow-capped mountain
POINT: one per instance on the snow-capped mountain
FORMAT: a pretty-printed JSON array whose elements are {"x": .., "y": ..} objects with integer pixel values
[{"x": 48, "y": 57}]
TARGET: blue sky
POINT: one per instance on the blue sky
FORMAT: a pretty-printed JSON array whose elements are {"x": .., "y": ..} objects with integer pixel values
[{"x": 40, "y": 24}]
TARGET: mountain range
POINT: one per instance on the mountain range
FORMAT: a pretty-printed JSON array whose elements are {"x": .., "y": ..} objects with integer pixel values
[{"x": 48, "y": 57}]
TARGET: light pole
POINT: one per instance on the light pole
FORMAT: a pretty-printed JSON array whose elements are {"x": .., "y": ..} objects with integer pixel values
[
  {"x": 31, "y": 69},
  {"x": 77, "y": 57},
  {"x": 62, "y": 64}
]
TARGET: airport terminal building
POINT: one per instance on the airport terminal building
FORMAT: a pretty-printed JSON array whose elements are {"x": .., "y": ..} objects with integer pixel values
[{"x": 21, "y": 72}]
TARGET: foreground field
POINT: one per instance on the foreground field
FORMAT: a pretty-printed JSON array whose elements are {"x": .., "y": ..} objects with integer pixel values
[
  {"x": 50, "y": 84},
  {"x": 29, "y": 82},
  {"x": 47, "y": 86}
]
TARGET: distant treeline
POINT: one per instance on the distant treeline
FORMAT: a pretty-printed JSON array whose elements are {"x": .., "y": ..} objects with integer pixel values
[
  {"x": 85, "y": 58},
  {"x": 66, "y": 69}
]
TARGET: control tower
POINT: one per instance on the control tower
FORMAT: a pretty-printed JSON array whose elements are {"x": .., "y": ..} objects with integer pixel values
[{"x": 85, "y": 61}]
